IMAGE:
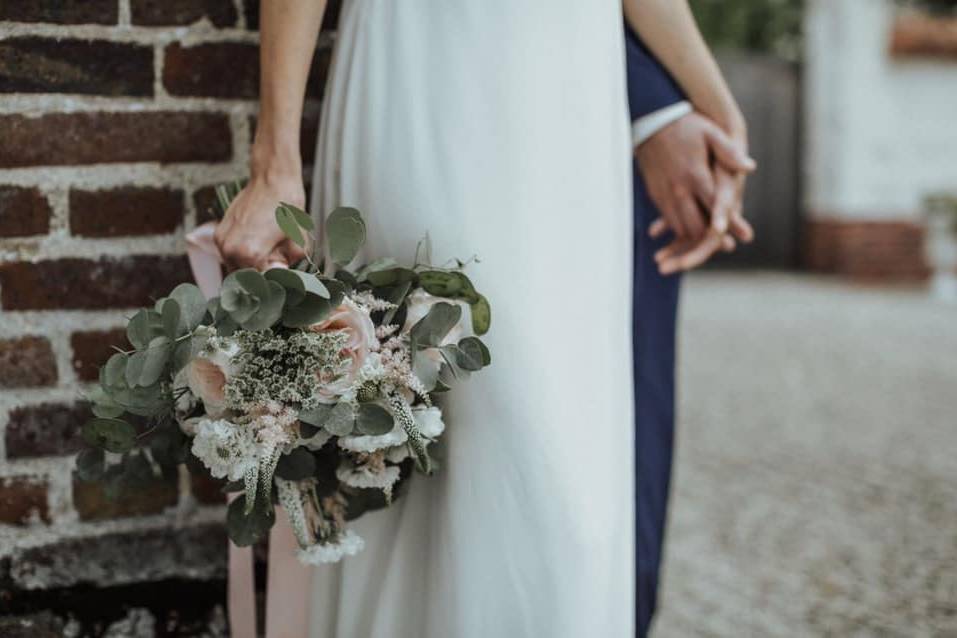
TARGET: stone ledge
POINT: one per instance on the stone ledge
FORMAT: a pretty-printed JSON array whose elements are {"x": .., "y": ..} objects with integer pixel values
[{"x": 919, "y": 35}]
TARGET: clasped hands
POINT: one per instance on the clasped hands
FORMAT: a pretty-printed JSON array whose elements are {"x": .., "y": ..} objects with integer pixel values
[{"x": 695, "y": 173}]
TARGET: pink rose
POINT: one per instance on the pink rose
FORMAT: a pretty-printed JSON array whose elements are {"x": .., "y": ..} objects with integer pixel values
[
  {"x": 356, "y": 323},
  {"x": 207, "y": 374}
]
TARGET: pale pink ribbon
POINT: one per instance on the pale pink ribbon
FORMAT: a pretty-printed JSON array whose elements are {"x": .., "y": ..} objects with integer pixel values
[{"x": 288, "y": 584}]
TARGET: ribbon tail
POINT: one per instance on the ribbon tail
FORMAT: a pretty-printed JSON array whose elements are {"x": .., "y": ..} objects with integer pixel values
[
  {"x": 241, "y": 592},
  {"x": 205, "y": 260},
  {"x": 289, "y": 585}
]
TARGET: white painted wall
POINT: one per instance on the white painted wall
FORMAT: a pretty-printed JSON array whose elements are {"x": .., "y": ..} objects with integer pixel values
[{"x": 880, "y": 133}]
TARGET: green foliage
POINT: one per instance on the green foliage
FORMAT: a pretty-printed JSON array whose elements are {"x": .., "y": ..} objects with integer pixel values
[
  {"x": 246, "y": 529},
  {"x": 765, "y": 26},
  {"x": 112, "y": 435},
  {"x": 345, "y": 234},
  {"x": 937, "y": 7},
  {"x": 374, "y": 420},
  {"x": 297, "y": 465}
]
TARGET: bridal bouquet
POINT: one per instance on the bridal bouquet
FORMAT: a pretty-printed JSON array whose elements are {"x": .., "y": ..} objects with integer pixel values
[{"x": 312, "y": 388}]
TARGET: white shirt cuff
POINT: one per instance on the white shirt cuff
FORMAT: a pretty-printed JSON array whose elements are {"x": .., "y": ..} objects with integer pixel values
[{"x": 647, "y": 125}]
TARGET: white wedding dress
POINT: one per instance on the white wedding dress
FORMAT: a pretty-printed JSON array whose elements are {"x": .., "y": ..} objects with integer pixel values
[{"x": 498, "y": 127}]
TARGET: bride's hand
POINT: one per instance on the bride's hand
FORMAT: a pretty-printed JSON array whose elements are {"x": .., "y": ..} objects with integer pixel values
[{"x": 248, "y": 235}]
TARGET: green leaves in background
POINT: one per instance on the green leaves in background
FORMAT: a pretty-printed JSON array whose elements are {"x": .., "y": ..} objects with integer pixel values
[
  {"x": 345, "y": 235},
  {"x": 251, "y": 300},
  {"x": 297, "y": 465},
  {"x": 481, "y": 316}
]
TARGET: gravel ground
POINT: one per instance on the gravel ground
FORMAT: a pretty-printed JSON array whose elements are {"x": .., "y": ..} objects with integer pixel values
[{"x": 815, "y": 490}]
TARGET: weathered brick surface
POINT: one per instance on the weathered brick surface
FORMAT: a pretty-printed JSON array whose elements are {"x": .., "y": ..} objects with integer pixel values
[
  {"x": 218, "y": 69},
  {"x": 91, "y": 350},
  {"x": 60, "y": 11},
  {"x": 45, "y": 429},
  {"x": 93, "y": 504},
  {"x": 865, "y": 250},
  {"x": 61, "y": 284},
  {"x": 64, "y": 139},
  {"x": 23, "y": 212},
  {"x": 110, "y": 141},
  {"x": 125, "y": 211},
  {"x": 222, "y": 13},
  {"x": 42, "y": 65},
  {"x": 26, "y": 362},
  {"x": 225, "y": 70},
  {"x": 117, "y": 558},
  {"x": 23, "y": 500},
  {"x": 206, "y": 489}
]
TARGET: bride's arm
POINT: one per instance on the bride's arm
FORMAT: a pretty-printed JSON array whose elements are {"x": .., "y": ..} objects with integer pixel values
[
  {"x": 669, "y": 29},
  {"x": 248, "y": 235}
]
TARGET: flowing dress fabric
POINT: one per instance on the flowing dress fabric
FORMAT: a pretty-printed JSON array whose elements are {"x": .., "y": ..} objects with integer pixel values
[{"x": 498, "y": 127}]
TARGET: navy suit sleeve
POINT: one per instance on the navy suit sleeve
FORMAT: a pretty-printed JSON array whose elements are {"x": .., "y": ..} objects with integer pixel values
[{"x": 650, "y": 86}]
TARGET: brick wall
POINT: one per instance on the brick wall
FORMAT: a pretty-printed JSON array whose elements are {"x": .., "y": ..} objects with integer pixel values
[{"x": 116, "y": 119}]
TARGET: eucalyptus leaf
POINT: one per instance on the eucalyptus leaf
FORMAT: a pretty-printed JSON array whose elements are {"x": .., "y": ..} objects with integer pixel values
[
  {"x": 157, "y": 356},
  {"x": 113, "y": 374},
  {"x": 481, "y": 316},
  {"x": 182, "y": 354},
  {"x": 374, "y": 420},
  {"x": 236, "y": 299},
  {"x": 297, "y": 465},
  {"x": 316, "y": 416},
  {"x": 247, "y": 529},
  {"x": 171, "y": 314},
  {"x": 341, "y": 420},
  {"x": 345, "y": 234},
  {"x": 192, "y": 305},
  {"x": 309, "y": 311},
  {"x": 270, "y": 309},
  {"x": 390, "y": 277},
  {"x": 134, "y": 367},
  {"x": 377, "y": 265},
  {"x": 472, "y": 354},
  {"x": 433, "y": 327},
  {"x": 144, "y": 325},
  {"x": 441, "y": 283},
  {"x": 289, "y": 226},
  {"x": 302, "y": 217},
  {"x": 112, "y": 435}
]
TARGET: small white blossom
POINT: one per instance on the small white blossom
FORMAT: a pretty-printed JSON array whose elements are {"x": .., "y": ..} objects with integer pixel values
[
  {"x": 369, "y": 443},
  {"x": 228, "y": 450},
  {"x": 363, "y": 476},
  {"x": 349, "y": 544}
]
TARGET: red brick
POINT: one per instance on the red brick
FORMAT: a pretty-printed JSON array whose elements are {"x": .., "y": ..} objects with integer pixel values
[
  {"x": 216, "y": 69},
  {"x": 92, "y": 503},
  {"x": 92, "y": 349},
  {"x": 26, "y": 362},
  {"x": 46, "y": 429},
  {"x": 23, "y": 212},
  {"x": 125, "y": 211},
  {"x": 67, "y": 139},
  {"x": 23, "y": 499},
  {"x": 93, "y": 67},
  {"x": 60, "y": 11},
  {"x": 206, "y": 489},
  {"x": 916, "y": 35},
  {"x": 329, "y": 20},
  {"x": 222, "y": 13},
  {"x": 884, "y": 250},
  {"x": 226, "y": 70},
  {"x": 86, "y": 284}
]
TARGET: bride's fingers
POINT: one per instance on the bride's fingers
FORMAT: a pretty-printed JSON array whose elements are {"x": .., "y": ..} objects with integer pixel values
[
  {"x": 275, "y": 259},
  {"x": 657, "y": 228},
  {"x": 291, "y": 252},
  {"x": 741, "y": 228},
  {"x": 694, "y": 257}
]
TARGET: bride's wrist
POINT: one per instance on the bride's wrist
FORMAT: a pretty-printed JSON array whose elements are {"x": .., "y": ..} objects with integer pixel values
[{"x": 279, "y": 166}]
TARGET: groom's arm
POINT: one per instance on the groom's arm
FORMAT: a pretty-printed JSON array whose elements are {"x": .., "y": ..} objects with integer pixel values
[{"x": 654, "y": 98}]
